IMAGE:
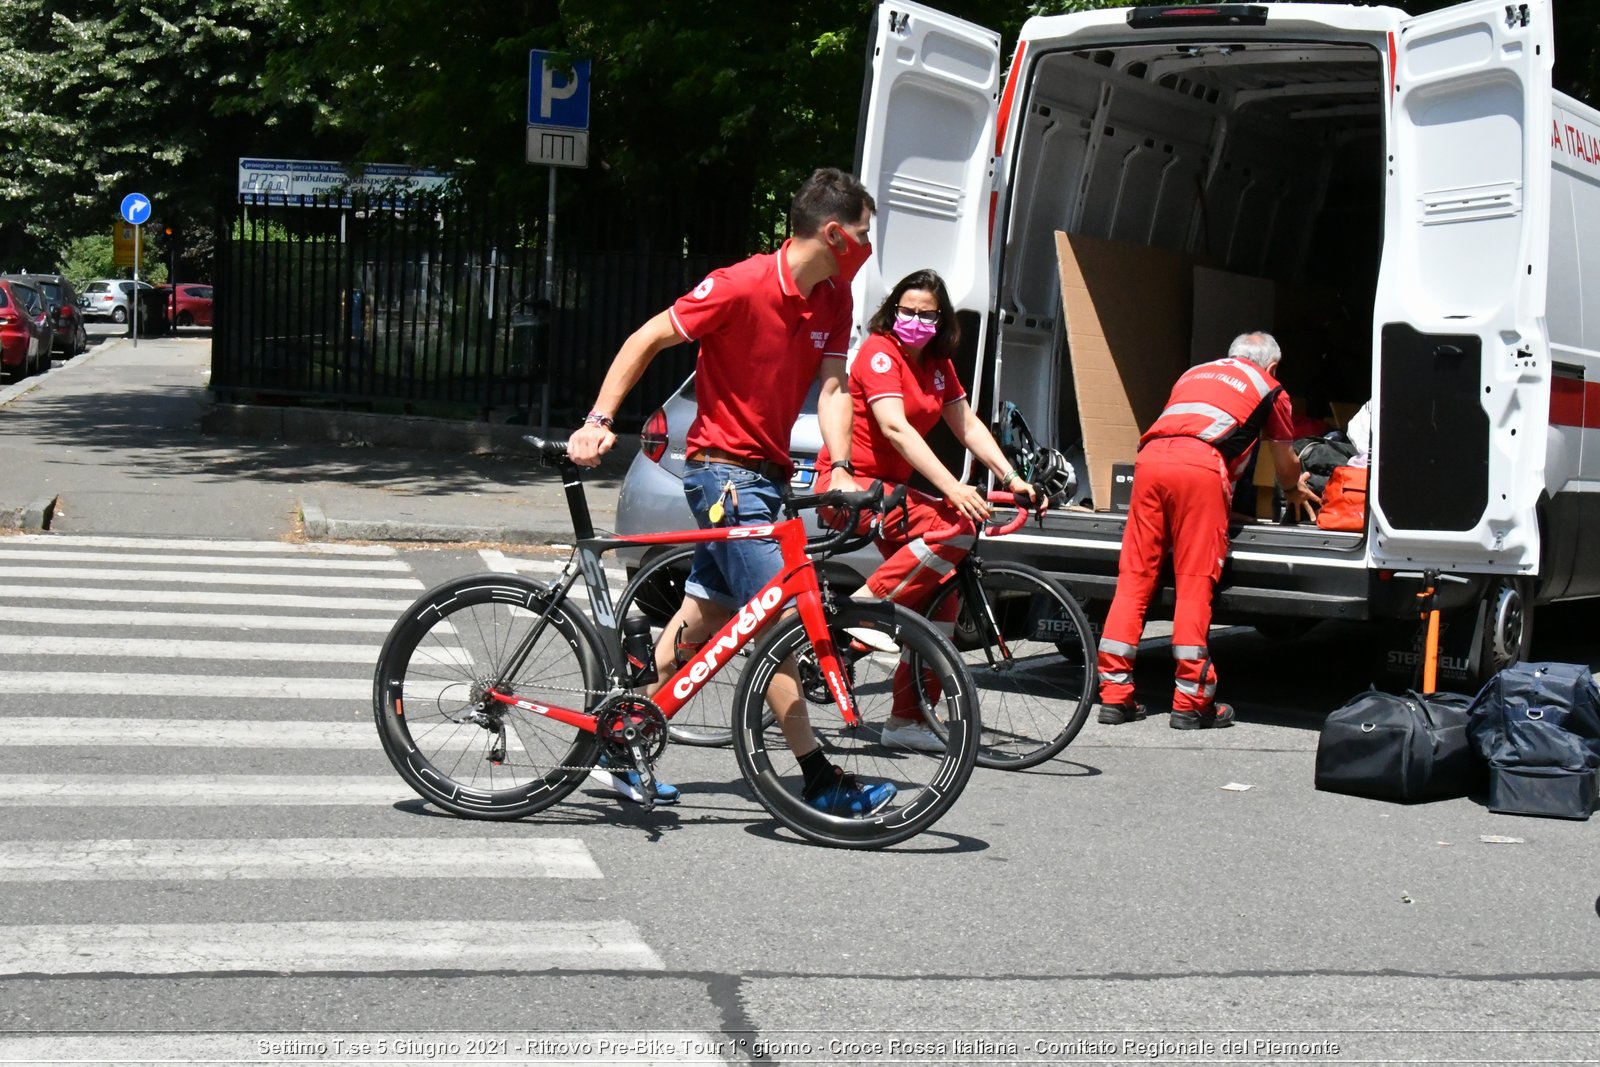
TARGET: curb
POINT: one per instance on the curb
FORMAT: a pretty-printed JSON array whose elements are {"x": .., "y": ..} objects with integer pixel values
[
  {"x": 318, "y": 527},
  {"x": 34, "y": 518}
]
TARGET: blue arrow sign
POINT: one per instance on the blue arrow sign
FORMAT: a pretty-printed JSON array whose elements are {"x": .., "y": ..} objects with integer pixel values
[{"x": 136, "y": 209}]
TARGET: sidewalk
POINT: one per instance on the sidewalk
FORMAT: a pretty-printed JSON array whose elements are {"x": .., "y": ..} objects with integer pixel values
[{"x": 111, "y": 443}]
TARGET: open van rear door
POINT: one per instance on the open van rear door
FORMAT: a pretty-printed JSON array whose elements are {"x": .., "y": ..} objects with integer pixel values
[
  {"x": 1462, "y": 381},
  {"x": 925, "y": 152}
]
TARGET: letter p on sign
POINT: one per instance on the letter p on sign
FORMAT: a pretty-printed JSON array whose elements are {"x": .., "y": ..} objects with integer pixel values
[{"x": 558, "y": 91}]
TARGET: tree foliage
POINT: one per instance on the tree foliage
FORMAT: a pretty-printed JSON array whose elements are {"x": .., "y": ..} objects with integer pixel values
[
  {"x": 705, "y": 113},
  {"x": 101, "y": 98}
]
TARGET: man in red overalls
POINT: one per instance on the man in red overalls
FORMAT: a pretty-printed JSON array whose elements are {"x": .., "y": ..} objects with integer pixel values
[{"x": 1182, "y": 492}]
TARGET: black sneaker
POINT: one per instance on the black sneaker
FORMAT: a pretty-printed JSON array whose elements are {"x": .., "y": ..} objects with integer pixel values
[
  {"x": 1213, "y": 718},
  {"x": 1117, "y": 714}
]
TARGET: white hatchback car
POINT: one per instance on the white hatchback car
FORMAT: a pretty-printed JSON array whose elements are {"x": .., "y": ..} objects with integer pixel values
[{"x": 108, "y": 298}]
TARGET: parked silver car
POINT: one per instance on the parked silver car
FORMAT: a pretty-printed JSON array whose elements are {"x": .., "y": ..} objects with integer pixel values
[
  {"x": 652, "y": 498},
  {"x": 108, "y": 298}
]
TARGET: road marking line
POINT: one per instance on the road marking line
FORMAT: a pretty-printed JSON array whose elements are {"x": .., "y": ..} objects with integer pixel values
[
  {"x": 198, "y": 545},
  {"x": 200, "y": 790},
  {"x": 211, "y": 860},
  {"x": 185, "y": 733},
  {"x": 91, "y": 594},
  {"x": 296, "y": 947},
  {"x": 163, "y": 648},
  {"x": 7, "y": 553},
  {"x": 55, "y": 683},
  {"x": 106, "y": 574},
  {"x": 198, "y": 620}
]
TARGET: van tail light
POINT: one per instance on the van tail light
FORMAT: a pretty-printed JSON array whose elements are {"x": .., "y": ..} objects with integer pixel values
[
  {"x": 1197, "y": 15},
  {"x": 653, "y": 438}
]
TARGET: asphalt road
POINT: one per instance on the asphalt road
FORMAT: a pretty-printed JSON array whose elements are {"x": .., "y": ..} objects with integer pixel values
[{"x": 1128, "y": 902}]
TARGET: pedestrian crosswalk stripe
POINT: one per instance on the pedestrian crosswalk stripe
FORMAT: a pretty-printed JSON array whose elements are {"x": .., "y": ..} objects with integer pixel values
[
  {"x": 185, "y": 733},
  {"x": 200, "y": 620},
  {"x": 189, "y": 685},
  {"x": 8, "y": 553},
  {"x": 92, "y": 594},
  {"x": 299, "y": 947},
  {"x": 202, "y": 545},
  {"x": 163, "y": 648},
  {"x": 208, "y": 860},
  {"x": 200, "y": 790},
  {"x": 106, "y": 574}
]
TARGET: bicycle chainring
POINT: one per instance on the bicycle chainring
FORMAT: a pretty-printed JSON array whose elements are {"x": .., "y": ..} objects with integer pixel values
[{"x": 631, "y": 727}]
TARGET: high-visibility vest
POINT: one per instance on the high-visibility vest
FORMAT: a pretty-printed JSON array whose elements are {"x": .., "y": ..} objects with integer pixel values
[{"x": 1224, "y": 403}]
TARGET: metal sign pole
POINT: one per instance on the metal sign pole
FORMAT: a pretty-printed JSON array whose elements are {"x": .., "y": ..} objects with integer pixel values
[
  {"x": 549, "y": 298},
  {"x": 133, "y": 312}
]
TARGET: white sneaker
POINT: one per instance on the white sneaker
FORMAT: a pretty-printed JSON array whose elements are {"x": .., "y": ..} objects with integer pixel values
[
  {"x": 913, "y": 736},
  {"x": 876, "y": 640}
]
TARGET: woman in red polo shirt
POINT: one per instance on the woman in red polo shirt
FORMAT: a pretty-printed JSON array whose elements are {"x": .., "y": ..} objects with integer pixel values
[{"x": 902, "y": 383}]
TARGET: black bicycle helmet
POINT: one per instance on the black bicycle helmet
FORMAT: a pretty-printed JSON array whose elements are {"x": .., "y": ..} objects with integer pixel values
[{"x": 1052, "y": 474}]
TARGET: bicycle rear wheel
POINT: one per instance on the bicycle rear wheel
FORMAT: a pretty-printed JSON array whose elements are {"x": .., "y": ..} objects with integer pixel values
[
  {"x": 483, "y": 759},
  {"x": 1032, "y": 656},
  {"x": 654, "y": 594},
  {"x": 926, "y": 783}
]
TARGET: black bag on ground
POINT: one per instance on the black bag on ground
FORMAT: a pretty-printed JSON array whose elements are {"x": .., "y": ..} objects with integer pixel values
[
  {"x": 1537, "y": 725},
  {"x": 1398, "y": 747}
]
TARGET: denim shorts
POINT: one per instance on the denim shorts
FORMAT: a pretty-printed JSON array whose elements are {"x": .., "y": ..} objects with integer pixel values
[{"x": 730, "y": 573}]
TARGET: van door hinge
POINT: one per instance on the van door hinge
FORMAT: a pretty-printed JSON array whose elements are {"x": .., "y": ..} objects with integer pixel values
[
  {"x": 900, "y": 21},
  {"x": 1516, "y": 15}
]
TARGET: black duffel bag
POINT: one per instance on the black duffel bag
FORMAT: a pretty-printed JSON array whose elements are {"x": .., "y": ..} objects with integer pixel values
[
  {"x": 1398, "y": 747},
  {"x": 1537, "y": 725}
]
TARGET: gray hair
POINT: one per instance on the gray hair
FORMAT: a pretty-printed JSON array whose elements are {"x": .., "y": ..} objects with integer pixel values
[{"x": 1258, "y": 348}]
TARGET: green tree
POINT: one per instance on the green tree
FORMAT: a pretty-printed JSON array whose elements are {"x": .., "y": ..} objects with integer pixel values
[{"x": 104, "y": 98}]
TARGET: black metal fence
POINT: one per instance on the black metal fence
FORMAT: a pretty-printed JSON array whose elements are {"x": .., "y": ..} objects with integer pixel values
[{"x": 434, "y": 306}]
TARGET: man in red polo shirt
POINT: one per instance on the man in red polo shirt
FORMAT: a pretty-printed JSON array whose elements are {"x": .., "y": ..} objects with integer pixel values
[
  {"x": 767, "y": 327},
  {"x": 1182, "y": 488}
]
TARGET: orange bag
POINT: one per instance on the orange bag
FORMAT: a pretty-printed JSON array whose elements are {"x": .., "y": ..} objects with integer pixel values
[{"x": 1344, "y": 501}]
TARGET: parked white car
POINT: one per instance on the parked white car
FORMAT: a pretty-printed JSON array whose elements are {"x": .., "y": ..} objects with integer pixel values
[{"x": 108, "y": 298}]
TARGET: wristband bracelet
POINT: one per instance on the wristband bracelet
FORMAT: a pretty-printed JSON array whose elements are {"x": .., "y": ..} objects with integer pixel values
[
  {"x": 846, "y": 464},
  {"x": 1005, "y": 479},
  {"x": 598, "y": 419}
]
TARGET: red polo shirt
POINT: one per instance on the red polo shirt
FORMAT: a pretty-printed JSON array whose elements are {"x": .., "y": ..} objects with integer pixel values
[
  {"x": 881, "y": 370},
  {"x": 761, "y": 344}
]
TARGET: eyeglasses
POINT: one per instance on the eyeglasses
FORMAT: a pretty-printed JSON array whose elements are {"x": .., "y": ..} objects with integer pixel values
[{"x": 929, "y": 317}]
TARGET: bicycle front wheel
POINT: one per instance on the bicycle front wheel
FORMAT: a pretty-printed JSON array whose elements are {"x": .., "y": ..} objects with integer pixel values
[
  {"x": 1031, "y": 653},
  {"x": 925, "y": 783},
  {"x": 473, "y": 757},
  {"x": 654, "y": 594}
]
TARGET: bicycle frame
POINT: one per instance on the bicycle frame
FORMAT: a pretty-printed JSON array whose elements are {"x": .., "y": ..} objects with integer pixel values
[{"x": 796, "y": 580}]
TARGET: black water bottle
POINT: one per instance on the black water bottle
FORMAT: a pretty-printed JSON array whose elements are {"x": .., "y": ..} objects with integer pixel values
[{"x": 639, "y": 651}]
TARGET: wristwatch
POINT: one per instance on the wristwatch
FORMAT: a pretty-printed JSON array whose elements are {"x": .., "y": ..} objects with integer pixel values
[{"x": 846, "y": 464}]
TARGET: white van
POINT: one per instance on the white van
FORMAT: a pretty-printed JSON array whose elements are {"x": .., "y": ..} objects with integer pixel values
[{"x": 1403, "y": 201}]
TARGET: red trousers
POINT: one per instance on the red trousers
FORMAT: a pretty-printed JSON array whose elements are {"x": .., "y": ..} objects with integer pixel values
[
  {"x": 912, "y": 571},
  {"x": 1181, "y": 497}
]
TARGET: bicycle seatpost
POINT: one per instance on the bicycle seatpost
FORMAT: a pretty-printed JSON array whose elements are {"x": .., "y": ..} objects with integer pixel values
[{"x": 571, "y": 481}]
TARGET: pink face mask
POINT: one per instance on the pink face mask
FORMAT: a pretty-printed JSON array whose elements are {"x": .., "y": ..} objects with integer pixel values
[{"x": 914, "y": 333}]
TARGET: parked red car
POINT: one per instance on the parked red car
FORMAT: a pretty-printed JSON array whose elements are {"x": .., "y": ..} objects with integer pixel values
[
  {"x": 193, "y": 305},
  {"x": 25, "y": 330}
]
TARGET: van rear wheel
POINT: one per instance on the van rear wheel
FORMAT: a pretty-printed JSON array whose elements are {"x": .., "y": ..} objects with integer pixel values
[{"x": 1507, "y": 626}]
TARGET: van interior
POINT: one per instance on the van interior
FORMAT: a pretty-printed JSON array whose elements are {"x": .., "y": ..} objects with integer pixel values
[{"x": 1205, "y": 190}]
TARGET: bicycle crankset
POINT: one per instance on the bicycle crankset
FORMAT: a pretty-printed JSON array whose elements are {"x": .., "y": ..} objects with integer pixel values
[{"x": 633, "y": 733}]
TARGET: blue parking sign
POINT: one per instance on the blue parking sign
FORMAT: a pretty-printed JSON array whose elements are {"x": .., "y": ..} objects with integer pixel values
[{"x": 558, "y": 95}]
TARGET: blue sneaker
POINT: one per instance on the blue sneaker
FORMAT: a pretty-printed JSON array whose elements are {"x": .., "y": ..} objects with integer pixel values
[
  {"x": 629, "y": 785},
  {"x": 849, "y": 797}
]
